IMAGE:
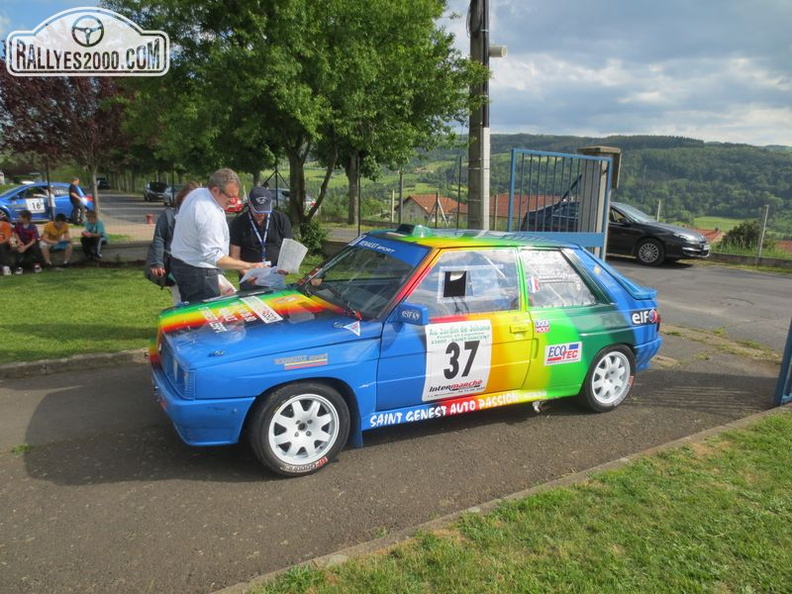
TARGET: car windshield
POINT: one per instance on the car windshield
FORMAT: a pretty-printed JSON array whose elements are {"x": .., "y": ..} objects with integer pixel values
[
  {"x": 365, "y": 277},
  {"x": 157, "y": 186},
  {"x": 635, "y": 214}
]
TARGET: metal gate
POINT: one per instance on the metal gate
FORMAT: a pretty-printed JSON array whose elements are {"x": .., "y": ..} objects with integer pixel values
[
  {"x": 563, "y": 196},
  {"x": 783, "y": 393}
]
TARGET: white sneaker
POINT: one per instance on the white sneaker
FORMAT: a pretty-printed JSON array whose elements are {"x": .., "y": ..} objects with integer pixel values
[
  {"x": 36, "y": 268},
  {"x": 18, "y": 270},
  {"x": 6, "y": 271}
]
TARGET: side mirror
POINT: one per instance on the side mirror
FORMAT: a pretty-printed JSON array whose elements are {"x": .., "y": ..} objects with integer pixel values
[{"x": 408, "y": 313}]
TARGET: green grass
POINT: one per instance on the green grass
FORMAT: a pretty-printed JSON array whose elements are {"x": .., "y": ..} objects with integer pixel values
[
  {"x": 78, "y": 310},
  {"x": 722, "y": 223},
  {"x": 710, "y": 517},
  {"x": 61, "y": 313},
  {"x": 752, "y": 252}
]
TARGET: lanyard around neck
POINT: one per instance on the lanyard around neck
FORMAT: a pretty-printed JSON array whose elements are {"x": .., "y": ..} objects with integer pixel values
[{"x": 262, "y": 240}]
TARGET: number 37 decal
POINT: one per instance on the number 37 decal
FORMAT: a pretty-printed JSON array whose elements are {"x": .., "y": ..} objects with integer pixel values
[{"x": 458, "y": 357}]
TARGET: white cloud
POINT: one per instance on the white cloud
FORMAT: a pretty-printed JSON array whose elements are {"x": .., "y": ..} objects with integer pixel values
[
  {"x": 5, "y": 26},
  {"x": 711, "y": 69}
]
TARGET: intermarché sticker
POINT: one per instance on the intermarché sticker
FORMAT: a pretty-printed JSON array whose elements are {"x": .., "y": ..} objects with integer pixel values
[{"x": 87, "y": 41}]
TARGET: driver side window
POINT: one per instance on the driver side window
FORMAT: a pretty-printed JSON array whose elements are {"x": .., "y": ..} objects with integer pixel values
[{"x": 466, "y": 282}]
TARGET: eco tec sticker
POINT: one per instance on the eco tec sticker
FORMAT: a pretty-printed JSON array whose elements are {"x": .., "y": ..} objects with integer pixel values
[{"x": 557, "y": 354}]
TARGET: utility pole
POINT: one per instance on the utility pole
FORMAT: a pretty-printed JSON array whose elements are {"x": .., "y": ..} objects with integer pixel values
[{"x": 479, "y": 149}]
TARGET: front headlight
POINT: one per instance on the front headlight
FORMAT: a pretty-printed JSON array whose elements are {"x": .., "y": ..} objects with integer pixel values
[{"x": 687, "y": 237}]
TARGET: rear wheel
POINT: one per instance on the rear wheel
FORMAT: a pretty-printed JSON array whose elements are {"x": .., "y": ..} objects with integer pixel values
[
  {"x": 299, "y": 428},
  {"x": 610, "y": 379},
  {"x": 650, "y": 252}
]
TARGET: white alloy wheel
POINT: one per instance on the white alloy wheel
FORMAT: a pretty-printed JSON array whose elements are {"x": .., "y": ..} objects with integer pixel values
[
  {"x": 303, "y": 429},
  {"x": 610, "y": 379}
]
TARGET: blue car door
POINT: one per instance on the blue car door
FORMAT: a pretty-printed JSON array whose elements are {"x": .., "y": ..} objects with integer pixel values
[{"x": 477, "y": 339}]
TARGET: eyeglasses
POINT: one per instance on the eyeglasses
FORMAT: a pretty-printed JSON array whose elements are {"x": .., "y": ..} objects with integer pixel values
[{"x": 229, "y": 196}]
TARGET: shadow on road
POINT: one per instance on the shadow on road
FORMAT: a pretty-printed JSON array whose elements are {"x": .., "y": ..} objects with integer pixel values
[{"x": 665, "y": 404}]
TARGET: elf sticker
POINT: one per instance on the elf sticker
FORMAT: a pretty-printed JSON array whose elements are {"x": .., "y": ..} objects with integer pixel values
[{"x": 458, "y": 358}]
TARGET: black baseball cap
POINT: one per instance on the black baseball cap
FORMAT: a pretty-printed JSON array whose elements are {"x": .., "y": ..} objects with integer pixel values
[{"x": 260, "y": 200}]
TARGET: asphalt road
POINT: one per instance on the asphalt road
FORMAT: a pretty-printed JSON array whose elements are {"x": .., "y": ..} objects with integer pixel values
[
  {"x": 105, "y": 497},
  {"x": 128, "y": 208},
  {"x": 744, "y": 305}
]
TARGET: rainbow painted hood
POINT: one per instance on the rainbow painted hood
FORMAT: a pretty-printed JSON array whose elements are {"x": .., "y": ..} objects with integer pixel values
[{"x": 268, "y": 323}]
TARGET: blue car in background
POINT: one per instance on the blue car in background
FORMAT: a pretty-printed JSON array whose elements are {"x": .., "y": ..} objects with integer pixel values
[{"x": 33, "y": 197}]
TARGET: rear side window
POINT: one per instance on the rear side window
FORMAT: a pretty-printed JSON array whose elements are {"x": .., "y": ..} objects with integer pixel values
[
  {"x": 470, "y": 281},
  {"x": 552, "y": 281}
]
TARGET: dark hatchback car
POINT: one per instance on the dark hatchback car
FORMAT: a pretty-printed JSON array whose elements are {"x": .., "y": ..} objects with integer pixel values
[
  {"x": 631, "y": 232},
  {"x": 155, "y": 191}
]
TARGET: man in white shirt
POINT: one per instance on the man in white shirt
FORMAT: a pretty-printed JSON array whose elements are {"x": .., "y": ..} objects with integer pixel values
[{"x": 200, "y": 239}]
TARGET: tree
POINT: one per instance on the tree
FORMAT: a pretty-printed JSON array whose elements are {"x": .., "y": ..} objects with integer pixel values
[
  {"x": 400, "y": 84},
  {"x": 62, "y": 118},
  {"x": 356, "y": 82},
  {"x": 27, "y": 125}
]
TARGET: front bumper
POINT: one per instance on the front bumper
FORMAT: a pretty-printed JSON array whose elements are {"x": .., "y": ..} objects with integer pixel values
[
  {"x": 689, "y": 250},
  {"x": 201, "y": 422}
]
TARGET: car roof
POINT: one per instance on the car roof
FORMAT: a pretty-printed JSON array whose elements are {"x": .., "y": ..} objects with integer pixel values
[
  {"x": 15, "y": 189},
  {"x": 452, "y": 238}
]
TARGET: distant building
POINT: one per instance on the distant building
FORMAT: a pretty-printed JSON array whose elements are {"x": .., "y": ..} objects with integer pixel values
[{"x": 432, "y": 210}]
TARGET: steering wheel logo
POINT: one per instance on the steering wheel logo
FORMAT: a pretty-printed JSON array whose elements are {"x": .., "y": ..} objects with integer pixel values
[{"x": 87, "y": 31}]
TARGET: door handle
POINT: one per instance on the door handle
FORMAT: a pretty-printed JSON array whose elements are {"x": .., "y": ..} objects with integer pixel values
[{"x": 519, "y": 328}]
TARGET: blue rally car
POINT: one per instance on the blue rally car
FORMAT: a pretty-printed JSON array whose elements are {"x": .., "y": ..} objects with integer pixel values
[
  {"x": 33, "y": 197},
  {"x": 401, "y": 326}
]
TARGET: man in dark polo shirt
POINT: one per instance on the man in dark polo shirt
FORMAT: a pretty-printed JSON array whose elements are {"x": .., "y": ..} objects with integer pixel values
[{"x": 257, "y": 234}]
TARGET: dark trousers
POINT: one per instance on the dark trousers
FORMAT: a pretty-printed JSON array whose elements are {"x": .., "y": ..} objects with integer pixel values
[
  {"x": 92, "y": 246},
  {"x": 195, "y": 284},
  {"x": 7, "y": 255},
  {"x": 78, "y": 211},
  {"x": 30, "y": 256}
]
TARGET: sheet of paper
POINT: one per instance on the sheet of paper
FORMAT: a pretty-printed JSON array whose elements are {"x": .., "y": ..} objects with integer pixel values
[
  {"x": 264, "y": 277},
  {"x": 226, "y": 288},
  {"x": 291, "y": 256}
]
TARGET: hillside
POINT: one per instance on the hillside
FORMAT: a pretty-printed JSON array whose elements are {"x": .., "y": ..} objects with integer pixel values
[{"x": 691, "y": 177}]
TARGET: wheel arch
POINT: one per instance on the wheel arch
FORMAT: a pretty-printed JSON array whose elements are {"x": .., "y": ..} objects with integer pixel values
[
  {"x": 645, "y": 237},
  {"x": 584, "y": 396},
  {"x": 355, "y": 438}
]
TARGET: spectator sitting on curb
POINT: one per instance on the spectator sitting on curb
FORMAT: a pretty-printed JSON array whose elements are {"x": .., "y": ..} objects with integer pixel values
[
  {"x": 55, "y": 238},
  {"x": 27, "y": 247},
  {"x": 93, "y": 237},
  {"x": 6, "y": 251}
]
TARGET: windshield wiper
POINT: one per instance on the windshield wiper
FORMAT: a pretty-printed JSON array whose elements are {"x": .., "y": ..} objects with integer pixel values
[{"x": 348, "y": 309}]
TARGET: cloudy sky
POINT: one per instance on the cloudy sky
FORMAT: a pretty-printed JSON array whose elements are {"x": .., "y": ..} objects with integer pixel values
[{"x": 718, "y": 70}]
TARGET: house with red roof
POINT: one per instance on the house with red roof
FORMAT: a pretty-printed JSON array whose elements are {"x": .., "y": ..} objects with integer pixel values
[{"x": 433, "y": 210}]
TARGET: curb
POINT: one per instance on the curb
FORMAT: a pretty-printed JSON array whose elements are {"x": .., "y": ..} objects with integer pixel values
[
  {"x": 387, "y": 542},
  {"x": 75, "y": 363}
]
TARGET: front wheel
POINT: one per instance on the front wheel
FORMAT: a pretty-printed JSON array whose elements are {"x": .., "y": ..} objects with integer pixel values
[
  {"x": 650, "y": 252},
  {"x": 299, "y": 428},
  {"x": 609, "y": 380}
]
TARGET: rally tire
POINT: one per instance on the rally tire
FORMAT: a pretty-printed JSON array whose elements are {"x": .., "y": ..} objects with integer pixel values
[
  {"x": 650, "y": 252},
  {"x": 299, "y": 428},
  {"x": 609, "y": 380}
]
